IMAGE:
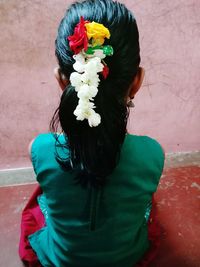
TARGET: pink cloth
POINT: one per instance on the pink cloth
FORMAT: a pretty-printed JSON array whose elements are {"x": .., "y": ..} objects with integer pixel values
[{"x": 33, "y": 220}]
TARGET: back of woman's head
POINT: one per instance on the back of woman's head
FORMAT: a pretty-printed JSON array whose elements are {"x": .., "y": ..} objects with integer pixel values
[{"x": 95, "y": 151}]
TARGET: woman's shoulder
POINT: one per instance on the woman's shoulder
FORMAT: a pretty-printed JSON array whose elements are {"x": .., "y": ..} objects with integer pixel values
[
  {"x": 45, "y": 139},
  {"x": 145, "y": 145},
  {"x": 44, "y": 142},
  {"x": 144, "y": 140},
  {"x": 42, "y": 149},
  {"x": 148, "y": 154}
]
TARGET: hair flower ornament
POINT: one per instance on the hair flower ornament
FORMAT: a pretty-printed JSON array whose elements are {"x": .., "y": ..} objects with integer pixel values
[{"x": 89, "y": 54}]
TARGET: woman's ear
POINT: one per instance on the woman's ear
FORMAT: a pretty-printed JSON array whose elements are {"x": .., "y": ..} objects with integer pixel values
[
  {"x": 137, "y": 82},
  {"x": 62, "y": 80}
]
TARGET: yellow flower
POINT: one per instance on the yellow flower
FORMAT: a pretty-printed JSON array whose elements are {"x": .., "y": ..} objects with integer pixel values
[{"x": 98, "y": 32}]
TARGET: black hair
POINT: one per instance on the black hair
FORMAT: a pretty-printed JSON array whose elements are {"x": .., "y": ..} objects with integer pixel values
[{"x": 95, "y": 151}]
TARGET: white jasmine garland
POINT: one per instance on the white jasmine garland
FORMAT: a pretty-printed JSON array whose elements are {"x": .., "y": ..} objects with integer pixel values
[
  {"x": 94, "y": 66},
  {"x": 99, "y": 53},
  {"x": 94, "y": 119},
  {"x": 86, "y": 81},
  {"x": 90, "y": 79},
  {"x": 79, "y": 64},
  {"x": 76, "y": 81},
  {"x": 87, "y": 92}
]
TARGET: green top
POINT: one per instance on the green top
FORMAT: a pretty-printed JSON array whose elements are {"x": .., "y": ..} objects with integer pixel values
[{"x": 90, "y": 227}]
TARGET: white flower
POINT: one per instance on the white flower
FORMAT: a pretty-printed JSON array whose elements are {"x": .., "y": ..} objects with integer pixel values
[
  {"x": 79, "y": 67},
  {"x": 94, "y": 119},
  {"x": 85, "y": 104},
  {"x": 76, "y": 80},
  {"x": 84, "y": 109},
  {"x": 80, "y": 58},
  {"x": 80, "y": 63},
  {"x": 99, "y": 53},
  {"x": 92, "y": 80},
  {"x": 80, "y": 116},
  {"x": 87, "y": 92},
  {"x": 94, "y": 65}
]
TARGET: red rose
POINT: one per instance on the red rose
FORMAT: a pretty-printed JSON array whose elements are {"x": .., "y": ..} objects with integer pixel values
[{"x": 79, "y": 39}]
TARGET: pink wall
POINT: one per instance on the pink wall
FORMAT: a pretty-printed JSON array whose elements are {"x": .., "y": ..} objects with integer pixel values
[{"x": 167, "y": 107}]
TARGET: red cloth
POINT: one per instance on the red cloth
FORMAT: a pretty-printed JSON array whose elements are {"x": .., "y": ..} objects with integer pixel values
[
  {"x": 33, "y": 220},
  {"x": 154, "y": 234}
]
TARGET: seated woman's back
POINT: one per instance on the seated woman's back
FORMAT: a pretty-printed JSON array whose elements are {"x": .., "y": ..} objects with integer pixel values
[
  {"x": 97, "y": 180},
  {"x": 105, "y": 225}
]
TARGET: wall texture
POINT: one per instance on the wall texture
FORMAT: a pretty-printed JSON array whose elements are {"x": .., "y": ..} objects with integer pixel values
[{"x": 167, "y": 106}]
